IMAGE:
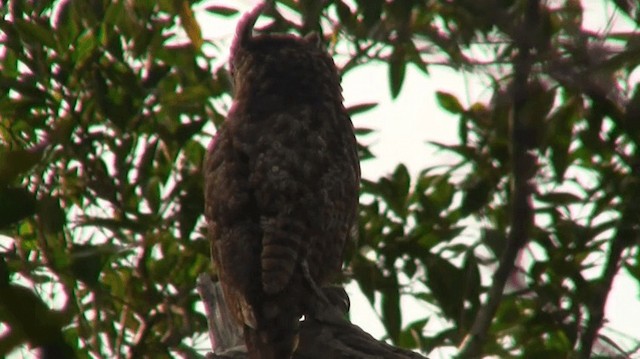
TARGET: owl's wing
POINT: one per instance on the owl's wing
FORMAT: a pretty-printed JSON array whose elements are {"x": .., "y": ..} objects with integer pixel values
[
  {"x": 340, "y": 182},
  {"x": 233, "y": 228}
]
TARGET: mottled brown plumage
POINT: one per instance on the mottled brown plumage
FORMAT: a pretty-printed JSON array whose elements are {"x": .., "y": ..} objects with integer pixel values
[{"x": 282, "y": 179}]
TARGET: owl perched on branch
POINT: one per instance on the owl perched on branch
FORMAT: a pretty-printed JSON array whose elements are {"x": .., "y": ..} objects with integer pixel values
[{"x": 282, "y": 177}]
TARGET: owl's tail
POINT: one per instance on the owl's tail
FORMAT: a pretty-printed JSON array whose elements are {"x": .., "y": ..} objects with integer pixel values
[{"x": 278, "y": 339}]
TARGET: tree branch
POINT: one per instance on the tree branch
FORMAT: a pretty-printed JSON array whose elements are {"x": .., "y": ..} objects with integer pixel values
[
  {"x": 324, "y": 336},
  {"x": 523, "y": 170}
]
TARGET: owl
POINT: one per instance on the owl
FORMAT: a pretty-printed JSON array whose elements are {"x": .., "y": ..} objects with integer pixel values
[{"x": 281, "y": 185}]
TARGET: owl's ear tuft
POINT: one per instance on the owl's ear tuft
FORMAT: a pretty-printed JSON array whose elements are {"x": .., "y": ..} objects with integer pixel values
[
  {"x": 244, "y": 30},
  {"x": 314, "y": 39}
]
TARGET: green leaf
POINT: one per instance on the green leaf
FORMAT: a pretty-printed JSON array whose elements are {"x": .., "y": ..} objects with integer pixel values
[
  {"x": 152, "y": 194},
  {"x": 371, "y": 11},
  {"x": 472, "y": 285},
  {"x": 347, "y": 19},
  {"x": 444, "y": 280},
  {"x": 391, "y": 316},
  {"x": 633, "y": 270},
  {"x": 494, "y": 240},
  {"x": 186, "y": 99},
  {"x": 559, "y": 198},
  {"x": 560, "y": 134},
  {"x": 449, "y": 102},
  {"x": 394, "y": 190},
  {"x": 36, "y": 33},
  {"x": 24, "y": 311},
  {"x": 221, "y": 10},
  {"x": 476, "y": 196},
  {"x": 361, "y": 131},
  {"x": 364, "y": 153},
  {"x": 397, "y": 69},
  {"x": 4, "y": 272},
  {"x": 368, "y": 275},
  {"x": 15, "y": 205},
  {"x": 52, "y": 216},
  {"x": 360, "y": 108},
  {"x": 14, "y": 163},
  {"x": 87, "y": 261},
  {"x": 410, "y": 336},
  {"x": 86, "y": 45},
  {"x": 191, "y": 208}
]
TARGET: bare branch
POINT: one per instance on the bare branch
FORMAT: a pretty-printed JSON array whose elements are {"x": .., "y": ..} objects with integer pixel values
[{"x": 225, "y": 335}]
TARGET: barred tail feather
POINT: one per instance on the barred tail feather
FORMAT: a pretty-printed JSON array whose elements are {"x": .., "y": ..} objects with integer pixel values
[{"x": 281, "y": 249}]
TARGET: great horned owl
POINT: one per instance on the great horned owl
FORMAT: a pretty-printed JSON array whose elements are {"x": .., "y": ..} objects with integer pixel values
[{"x": 282, "y": 177}]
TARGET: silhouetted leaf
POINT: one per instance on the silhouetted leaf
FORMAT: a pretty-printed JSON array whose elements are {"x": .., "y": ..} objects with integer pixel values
[
  {"x": 395, "y": 190},
  {"x": 444, "y": 280},
  {"x": 37, "y": 33},
  {"x": 561, "y": 131},
  {"x": 411, "y": 335},
  {"x": 24, "y": 311},
  {"x": 476, "y": 196},
  {"x": 472, "y": 287},
  {"x": 494, "y": 240},
  {"x": 15, "y": 205},
  {"x": 390, "y": 304},
  {"x": 360, "y": 108},
  {"x": 86, "y": 45},
  {"x": 559, "y": 198},
  {"x": 221, "y": 10},
  {"x": 449, "y": 102},
  {"x": 360, "y": 131},
  {"x": 397, "y": 68},
  {"x": 371, "y": 11},
  {"x": 87, "y": 261},
  {"x": 15, "y": 162},
  {"x": 52, "y": 216}
]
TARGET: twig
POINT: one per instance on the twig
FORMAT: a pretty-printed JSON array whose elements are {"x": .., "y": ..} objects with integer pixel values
[
  {"x": 523, "y": 170},
  {"x": 225, "y": 335}
]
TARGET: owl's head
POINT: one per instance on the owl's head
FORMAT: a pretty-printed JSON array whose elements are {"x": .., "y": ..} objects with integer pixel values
[{"x": 281, "y": 64}]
